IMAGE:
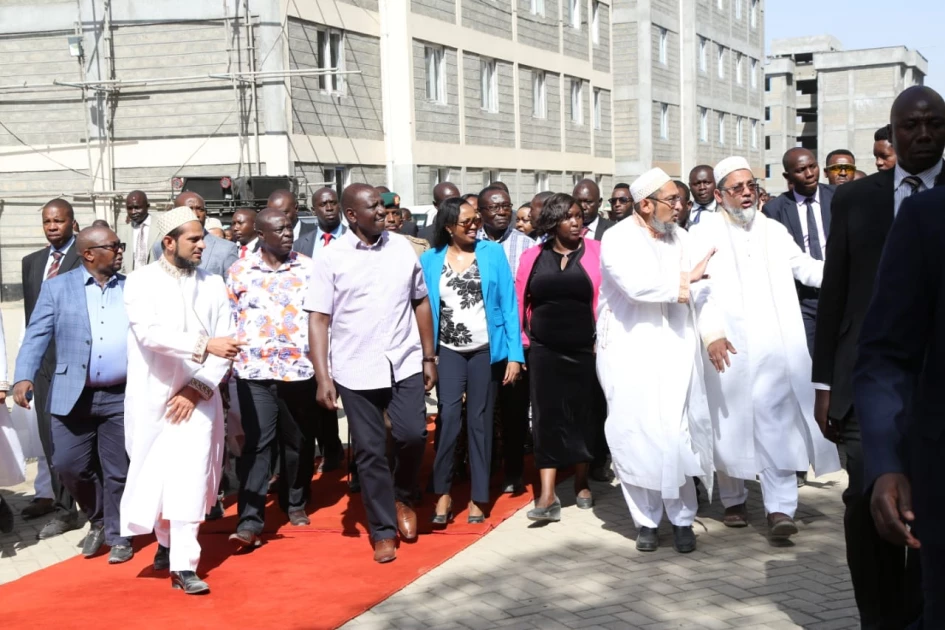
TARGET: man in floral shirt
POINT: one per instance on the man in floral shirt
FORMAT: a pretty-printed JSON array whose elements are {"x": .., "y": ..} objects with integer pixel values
[{"x": 276, "y": 381}]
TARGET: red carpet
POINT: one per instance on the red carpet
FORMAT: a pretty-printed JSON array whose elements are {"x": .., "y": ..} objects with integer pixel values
[{"x": 302, "y": 577}]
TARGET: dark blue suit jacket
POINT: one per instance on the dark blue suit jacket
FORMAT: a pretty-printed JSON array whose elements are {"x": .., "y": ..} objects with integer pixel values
[{"x": 900, "y": 370}]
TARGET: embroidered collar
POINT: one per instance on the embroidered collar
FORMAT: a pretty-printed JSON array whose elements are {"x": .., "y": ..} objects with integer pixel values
[{"x": 175, "y": 272}]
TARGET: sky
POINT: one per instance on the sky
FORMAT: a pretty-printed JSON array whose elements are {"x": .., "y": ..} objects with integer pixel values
[{"x": 915, "y": 24}]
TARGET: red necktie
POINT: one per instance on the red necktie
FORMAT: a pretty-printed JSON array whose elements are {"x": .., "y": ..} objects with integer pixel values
[
  {"x": 242, "y": 251},
  {"x": 327, "y": 238},
  {"x": 54, "y": 267}
]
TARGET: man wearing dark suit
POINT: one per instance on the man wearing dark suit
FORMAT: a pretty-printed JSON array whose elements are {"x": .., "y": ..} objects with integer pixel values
[
  {"x": 884, "y": 584},
  {"x": 805, "y": 212},
  {"x": 587, "y": 194},
  {"x": 84, "y": 312},
  {"x": 58, "y": 257},
  {"x": 286, "y": 202},
  {"x": 441, "y": 192},
  {"x": 409, "y": 226},
  {"x": 218, "y": 254}
]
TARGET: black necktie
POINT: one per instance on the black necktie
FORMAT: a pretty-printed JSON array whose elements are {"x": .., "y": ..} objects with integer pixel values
[
  {"x": 813, "y": 236},
  {"x": 913, "y": 182}
]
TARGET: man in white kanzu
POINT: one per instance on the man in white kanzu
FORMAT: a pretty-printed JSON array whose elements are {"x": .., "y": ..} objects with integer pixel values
[
  {"x": 760, "y": 395},
  {"x": 179, "y": 349},
  {"x": 658, "y": 425}
]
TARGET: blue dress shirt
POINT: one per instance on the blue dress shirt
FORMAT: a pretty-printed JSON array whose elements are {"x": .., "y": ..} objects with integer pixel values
[{"x": 108, "y": 361}]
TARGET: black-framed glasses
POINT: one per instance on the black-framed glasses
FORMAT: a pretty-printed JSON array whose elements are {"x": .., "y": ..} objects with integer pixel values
[
  {"x": 615, "y": 200},
  {"x": 466, "y": 223},
  {"x": 115, "y": 247},
  {"x": 501, "y": 207},
  {"x": 737, "y": 190}
]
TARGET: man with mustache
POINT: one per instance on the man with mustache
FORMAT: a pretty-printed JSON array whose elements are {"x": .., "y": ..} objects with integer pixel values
[{"x": 760, "y": 396}]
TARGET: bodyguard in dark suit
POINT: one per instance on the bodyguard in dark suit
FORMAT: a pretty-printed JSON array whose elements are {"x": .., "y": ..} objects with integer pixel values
[
  {"x": 84, "y": 312},
  {"x": 328, "y": 225},
  {"x": 805, "y": 212},
  {"x": 56, "y": 258},
  {"x": 587, "y": 193},
  {"x": 885, "y": 586},
  {"x": 441, "y": 192}
]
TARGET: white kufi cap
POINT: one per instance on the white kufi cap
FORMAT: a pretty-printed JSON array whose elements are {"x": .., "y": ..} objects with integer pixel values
[
  {"x": 728, "y": 166},
  {"x": 212, "y": 223},
  {"x": 648, "y": 183},
  {"x": 173, "y": 219}
]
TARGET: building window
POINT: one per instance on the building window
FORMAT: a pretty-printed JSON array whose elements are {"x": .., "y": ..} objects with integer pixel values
[
  {"x": 721, "y": 128},
  {"x": 721, "y": 62},
  {"x": 753, "y": 14},
  {"x": 490, "y": 87},
  {"x": 336, "y": 178},
  {"x": 664, "y": 36},
  {"x": 541, "y": 182},
  {"x": 754, "y": 134},
  {"x": 538, "y": 7},
  {"x": 767, "y": 114},
  {"x": 576, "y": 178},
  {"x": 721, "y": 4},
  {"x": 738, "y": 67},
  {"x": 767, "y": 143},
  {"x": 597, "y": 114},
  {"x": 331, "y": 56},
  {"x": 436, "y": 74},
  {"x": 767, "y": 171},
  {"x": 703, "y": 55},
  {"x": 441, "y": 175},
  {"x": 738, "y": 9},
  {"x": 539, "y": 95},
  {"x": 574, "y": 13},
  {"x": 703, "y": 124},
  {"x": 577, "y": 102},
  {"x": 753, "y": 77},
  {"x": 595, "y": 23},
  {"x": 767, "y": 84},
  {"x": 738, "y": 131},
  {"x": 664, "y": 121},
  {"x": 489, "y": 177}
]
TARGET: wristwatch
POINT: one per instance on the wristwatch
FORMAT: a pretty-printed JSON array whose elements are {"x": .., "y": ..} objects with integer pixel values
[{"x": 433, "y": 360}]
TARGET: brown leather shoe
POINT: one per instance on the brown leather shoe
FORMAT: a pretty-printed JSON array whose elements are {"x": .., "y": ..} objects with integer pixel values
[
  {"x": 406, "y": 521},
  {"x": 736, "y": 516},
  {"x": 385, "y": 551},
  {"x": 780, "y": 526}
]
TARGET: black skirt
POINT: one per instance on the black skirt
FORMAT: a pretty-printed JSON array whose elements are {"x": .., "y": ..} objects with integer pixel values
[{"x": 567, "y": 405}]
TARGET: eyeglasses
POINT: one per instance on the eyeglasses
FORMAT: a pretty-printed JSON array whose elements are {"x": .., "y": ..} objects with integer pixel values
[
  {"x": 669, "y": 201},
  {"x": 476, "y": 220},
  {"x": 615, "y": 200},
  {"x": 503, "y": 207},
  {"x": 737, "y": 190},
  {"x": 849, "y": 169},
  {"x": 115, "y": 247}
]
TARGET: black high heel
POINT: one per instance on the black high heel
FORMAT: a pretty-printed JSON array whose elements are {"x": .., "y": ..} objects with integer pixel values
[
  {"x": 441, "y": 520},
  {"x": 475, "y": 520}
]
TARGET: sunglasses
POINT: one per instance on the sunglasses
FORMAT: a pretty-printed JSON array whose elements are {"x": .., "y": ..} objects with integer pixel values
[
  {"x": 476, "y": 220},
  {"x": 615, "y": 200},
  {"x": 115, "y": 247},
  {"x": 842, "y": 168}
]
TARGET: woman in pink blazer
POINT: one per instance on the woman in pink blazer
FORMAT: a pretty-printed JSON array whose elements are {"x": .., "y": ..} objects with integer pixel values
[{"x": 557, "y": 284}]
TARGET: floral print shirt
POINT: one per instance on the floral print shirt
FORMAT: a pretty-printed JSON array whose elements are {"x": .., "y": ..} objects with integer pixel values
[{"x": 463, "y": 325}]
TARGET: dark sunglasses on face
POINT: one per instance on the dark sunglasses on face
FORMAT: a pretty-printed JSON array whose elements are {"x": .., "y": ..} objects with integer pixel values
[
  {"x": 476, "y": 220},
  {"x": 615, "y": 200},
  {"x": 115, "y": 247}
]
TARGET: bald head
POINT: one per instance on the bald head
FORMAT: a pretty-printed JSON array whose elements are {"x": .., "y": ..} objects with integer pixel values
[
  {"x": 285, "y": 202},
  {"x": 94, "y": 236},
  {"x": 352, "y": 193},
  {"x": 195, "y": 202},
  {"x": 268, "y": 216},
  {"x": 917, "y": 121},
  {"x": 587, "y": 195},
  {"x": 137, "y": 206},
  {"x": 101, "y": 252},
  {"x": 442, "y": 192},
  {"x": 274, "y": 233},
  {"x": 702, "y": 184},
  {"x": 364, "y": 211}
]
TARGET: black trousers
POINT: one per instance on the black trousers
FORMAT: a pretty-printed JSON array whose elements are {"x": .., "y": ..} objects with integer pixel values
[
  {"x": 63, "y": 500},
  {"x": 514, "y": 401},
  {"x": 89, "y": 455},
  {"x": 809, "y": 315},
  {"x": 405, "y": 405},
  {"x": 473, "y": 374},
  {"x": 885, "y": 577},
  {"x": 280, "y": 415}
]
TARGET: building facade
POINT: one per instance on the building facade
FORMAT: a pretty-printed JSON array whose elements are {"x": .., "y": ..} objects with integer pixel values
[
  {"x": 822, "y": 97},
  {"x": 101, "y": 97}
]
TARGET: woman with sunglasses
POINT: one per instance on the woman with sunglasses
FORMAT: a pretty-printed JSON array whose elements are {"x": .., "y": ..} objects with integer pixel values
[
  {"x": 558, "y": 283},
  {"x": 479, "y": 345}
]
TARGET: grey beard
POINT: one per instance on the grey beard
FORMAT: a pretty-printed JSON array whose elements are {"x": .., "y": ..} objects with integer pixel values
[
  {"x": 662, "y": 228},
  {"x": 183, "y": 263},
  {"x": 741, "y": 216}
]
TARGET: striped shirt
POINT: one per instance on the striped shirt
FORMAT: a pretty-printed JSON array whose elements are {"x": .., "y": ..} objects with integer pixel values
[
  {"x": 513, "y": 242},
  {"x": 904, "y": 190}
]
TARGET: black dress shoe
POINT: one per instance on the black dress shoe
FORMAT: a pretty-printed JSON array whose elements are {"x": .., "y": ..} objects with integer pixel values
[
  {"x": 333, "y": 458},
  {"x": 93, "y": 541},
  {"x": 189, "y": 583},
  {"x": 648, "y": 539},
  {"x": 37, "y": 508},
  {"x": 684, "y": 540},
  {"x": 120, "y": 553},
  {"x": 162, "y": 558},
  {"x": 216, "y": 512},
  {"x": 6, "y": 517},
  {"x": 354, "y": 482},
  {"x": 58, "y": 526}
]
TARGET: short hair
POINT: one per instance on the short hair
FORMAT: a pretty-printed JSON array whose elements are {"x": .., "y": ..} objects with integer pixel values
[
  {"x": 447, "y": 214},
  {"x": 525, "y": 205},
  {"x": 484, "y": 194},
  {"x": 59, "y": 201},
  {"x": 499, "y": 184},
  {"x": 682, "y": 186},
  {"x": 553, "y": 210},
  {"x": 882, "y": 134},
  {"x": 622, "y": 185},
  {"x": 839, "y": 152},
  {"x": 101, "y": 223},
  {"x": 469, "y": 196}
]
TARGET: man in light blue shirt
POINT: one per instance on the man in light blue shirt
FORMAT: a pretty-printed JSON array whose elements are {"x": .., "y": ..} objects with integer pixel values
[{"x": 87, "y": 394}]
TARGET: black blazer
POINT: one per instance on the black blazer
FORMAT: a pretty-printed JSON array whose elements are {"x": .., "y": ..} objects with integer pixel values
[
  {"x": 33, "y": 267},
  {"x": 901, "y": 364},
  {"x": 602, "y": 226},
  {"x": 307, "y": 227},
  {"x": 862, "y": 215},
  {"x": 783, "y": 209}
]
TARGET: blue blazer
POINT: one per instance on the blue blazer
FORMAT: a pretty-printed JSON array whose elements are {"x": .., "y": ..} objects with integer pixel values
[
  {"x": 498, "y": 294},
  {"x": 61, "y": 313}
]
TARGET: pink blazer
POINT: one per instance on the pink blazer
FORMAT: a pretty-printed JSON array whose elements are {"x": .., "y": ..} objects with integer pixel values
[{"x": 590, "y": 261}]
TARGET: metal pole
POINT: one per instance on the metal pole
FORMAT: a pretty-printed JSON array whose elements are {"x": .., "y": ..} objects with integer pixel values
[{"x": 251, "y": 46}]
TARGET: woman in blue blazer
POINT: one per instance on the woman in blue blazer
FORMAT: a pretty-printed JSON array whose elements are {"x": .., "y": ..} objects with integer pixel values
[{"x": 479, "y": 344}]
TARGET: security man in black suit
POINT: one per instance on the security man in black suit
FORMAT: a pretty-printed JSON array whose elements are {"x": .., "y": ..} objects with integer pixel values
[
  {"x": 805, "y": 212},
  {"x": 886, "y": 586},
  {"x": 58, "y": 257},
  {"x": 587, "y": 194}
]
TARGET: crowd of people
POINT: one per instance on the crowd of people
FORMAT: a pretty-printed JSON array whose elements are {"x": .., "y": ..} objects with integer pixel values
[{"x": 699, "y": 335}]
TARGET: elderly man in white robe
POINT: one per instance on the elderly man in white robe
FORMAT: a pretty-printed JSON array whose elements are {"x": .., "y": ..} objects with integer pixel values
[
  {"x": 178, "y": 353},
  {"x": 649, "y": 361},
  {"x": 760, "y": 395}
]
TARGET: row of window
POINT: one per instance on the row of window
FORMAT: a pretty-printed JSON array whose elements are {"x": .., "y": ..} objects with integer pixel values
[
  {"x": 722, "y": 118},
  {"x": 737, "y": 9},
  {"x": 537, "y": 7},
  {"x": 722, "y": 61}
]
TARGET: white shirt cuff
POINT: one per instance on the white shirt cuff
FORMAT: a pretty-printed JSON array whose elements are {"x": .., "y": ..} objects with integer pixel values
[{"x": 822, "y": 387}]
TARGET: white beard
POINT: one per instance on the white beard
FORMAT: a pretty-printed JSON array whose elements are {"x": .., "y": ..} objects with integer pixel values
[
  {"x": 741, "y": 216},
  {"x": 661, "y": 228}
]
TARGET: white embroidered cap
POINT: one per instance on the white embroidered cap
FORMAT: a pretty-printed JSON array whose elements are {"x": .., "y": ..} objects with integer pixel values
[
  {"x": 173, "y": 219},
  {"x": 212, "y": 223},
  {"x": 648, "y": 183},
  {"x": 728, "y": 166}
]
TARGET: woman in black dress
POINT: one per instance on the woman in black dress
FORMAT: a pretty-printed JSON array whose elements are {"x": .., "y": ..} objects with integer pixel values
[{"x": 558, "y": 283}]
